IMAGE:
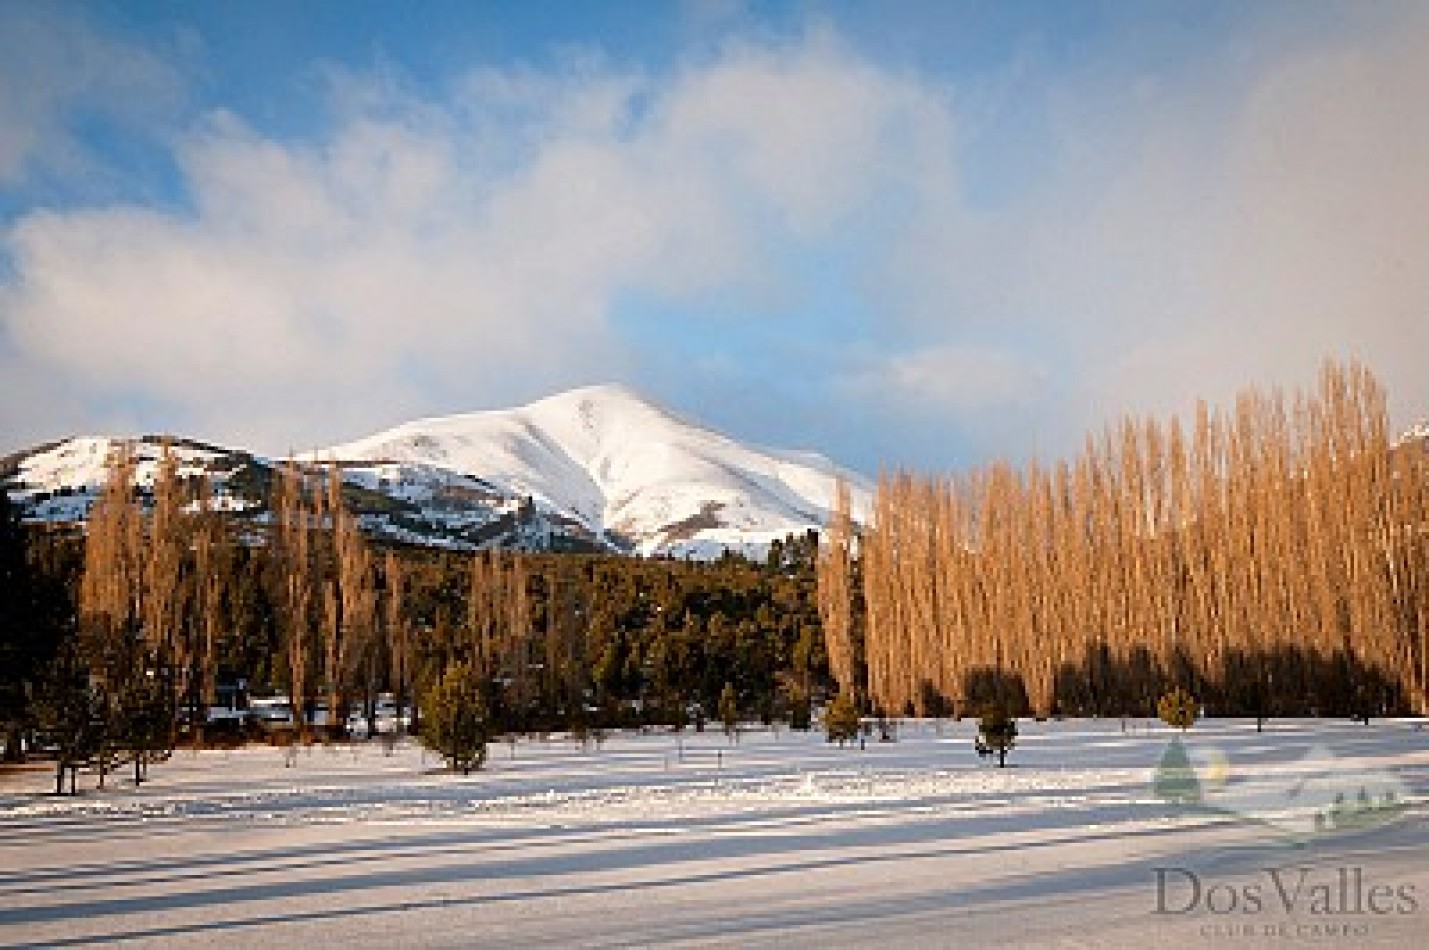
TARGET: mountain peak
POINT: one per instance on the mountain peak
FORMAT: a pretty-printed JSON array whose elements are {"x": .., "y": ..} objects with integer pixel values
[
  {"x": 623, "y": 466},
  {"x": 600, "y": 392}
]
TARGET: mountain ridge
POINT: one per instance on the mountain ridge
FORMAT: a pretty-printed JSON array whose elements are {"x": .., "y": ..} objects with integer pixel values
[{"x": 594, "y": 468}]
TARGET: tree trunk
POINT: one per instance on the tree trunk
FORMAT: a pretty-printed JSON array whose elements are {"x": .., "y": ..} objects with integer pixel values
[{"x": 14, "y": 751}]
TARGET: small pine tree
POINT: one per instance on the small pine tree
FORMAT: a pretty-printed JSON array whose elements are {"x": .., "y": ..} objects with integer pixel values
[
  {"x": 1177, "y": 709},
  {"x": 997, "y": 734},
  {"x": 70, "y": 714},
  {"x": 729, "y": 709},
  {"x": 145, "y": 723},
  {"x": 454, "y": 720},
  {"x": 841, "y": 719}
]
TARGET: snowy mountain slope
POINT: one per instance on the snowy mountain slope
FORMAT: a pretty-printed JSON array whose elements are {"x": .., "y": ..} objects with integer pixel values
[
  {"x": 1415, "y": 434},
  {"x": 59, "y": 482},
  {"x": 598, "y": 468},
  {"x": 625, "y": 468}
]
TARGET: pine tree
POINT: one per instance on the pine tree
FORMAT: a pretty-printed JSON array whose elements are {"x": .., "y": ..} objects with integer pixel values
[
  {"x": 144, "y": 722},
  {"x": 21, "y": 648},
  {"x": 997, "y": 733},
  {"x": 454, "y": 719},
  {"x": 841, "y": 722},
  {"x": 70, "y": 713}
]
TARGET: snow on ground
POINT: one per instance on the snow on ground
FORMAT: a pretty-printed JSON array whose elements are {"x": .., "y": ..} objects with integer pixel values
[{"x": 658, "y": 839}]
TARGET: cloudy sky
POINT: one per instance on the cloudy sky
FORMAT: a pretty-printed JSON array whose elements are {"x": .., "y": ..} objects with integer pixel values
[{"x": 907, "y": 232}]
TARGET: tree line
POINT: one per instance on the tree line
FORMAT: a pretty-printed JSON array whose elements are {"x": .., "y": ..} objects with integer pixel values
[
  {"x": 116, "y": 640},
  {"x": 1271, "y": 560},
  {"x": 1268, "y": 560}
]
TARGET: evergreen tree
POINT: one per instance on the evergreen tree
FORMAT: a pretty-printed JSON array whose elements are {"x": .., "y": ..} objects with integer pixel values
[
  {"x": 454, "y": 719},
  {"x": 70, "y": 715},
  {"x": 841, "y": 722},
  {"x": 145, "y": 721},
  {"x": 997, "y": 734},
  {"x": 21, "y": 649}
]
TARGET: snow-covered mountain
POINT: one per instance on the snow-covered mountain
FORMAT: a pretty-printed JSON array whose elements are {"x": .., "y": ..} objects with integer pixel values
[
  {"x": 599, "y": 468},
  {"x": 629, "y": 471}
]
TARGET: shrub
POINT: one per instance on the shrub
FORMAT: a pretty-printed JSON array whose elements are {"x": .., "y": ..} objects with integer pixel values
[
  {"x": 1177, "y": 709},
  {"x": 841, "y": 720},
  {"x": 997, "y": 734},
  {"x": 454, "y": 722}
]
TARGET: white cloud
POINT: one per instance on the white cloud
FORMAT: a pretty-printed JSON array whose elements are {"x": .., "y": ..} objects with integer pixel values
[
  {"x": 958, "y": 383},
  {"x": 1231, "y": 222},
  {"x": 470, "y": 250},
  {"x": 1203, "y": 230}
]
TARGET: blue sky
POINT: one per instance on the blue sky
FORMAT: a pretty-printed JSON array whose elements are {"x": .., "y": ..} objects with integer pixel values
[{"x": 924, "y": 233}]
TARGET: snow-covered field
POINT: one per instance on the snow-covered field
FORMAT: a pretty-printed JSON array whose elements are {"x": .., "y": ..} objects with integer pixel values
[{"x": 654, "y": 840}]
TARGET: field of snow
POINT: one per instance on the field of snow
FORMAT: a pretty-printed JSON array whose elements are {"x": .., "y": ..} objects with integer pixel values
[{"x": 780, "y": 838}]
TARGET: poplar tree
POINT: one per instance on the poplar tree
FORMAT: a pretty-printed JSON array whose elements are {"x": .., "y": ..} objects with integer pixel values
[
  {"x": 1271, "y": 558},
  {"x": 293, "y": 544},
  {"x": 399, "y": 633},
  {"x": 835, "y": 589}
]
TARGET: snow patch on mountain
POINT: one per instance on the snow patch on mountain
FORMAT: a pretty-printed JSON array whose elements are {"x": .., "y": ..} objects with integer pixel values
[{"x": 1419, "y": 432}]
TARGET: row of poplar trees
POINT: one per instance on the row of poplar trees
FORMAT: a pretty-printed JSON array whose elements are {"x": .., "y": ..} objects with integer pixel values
[
  {"x": 1273, "y": 559},
  {"x": 157, "y": 594}
]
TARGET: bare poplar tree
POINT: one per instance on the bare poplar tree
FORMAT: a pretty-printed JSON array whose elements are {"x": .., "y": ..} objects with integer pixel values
[
  {"x": 1269, "y": 557},
  {"x": 835, "y": 594}
]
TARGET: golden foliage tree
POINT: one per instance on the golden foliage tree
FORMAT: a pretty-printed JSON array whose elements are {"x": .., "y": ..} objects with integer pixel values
[
  {"x": 1275, "y": 557},
  {"x": 835, "y": 590}
]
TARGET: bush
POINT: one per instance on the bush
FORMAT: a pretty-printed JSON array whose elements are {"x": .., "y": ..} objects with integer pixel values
[
  {"x": 841, "y": 720},
  {"x": 454, "y": 721},
  {"x": 997, "y": 734},
  {"x": 1177, "y": 709}
]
